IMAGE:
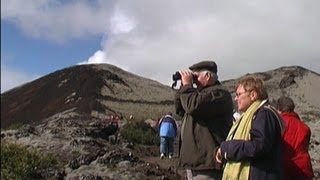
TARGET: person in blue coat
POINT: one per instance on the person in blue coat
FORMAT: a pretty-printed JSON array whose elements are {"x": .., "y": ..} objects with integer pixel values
[{"x": 168, "y": 132}]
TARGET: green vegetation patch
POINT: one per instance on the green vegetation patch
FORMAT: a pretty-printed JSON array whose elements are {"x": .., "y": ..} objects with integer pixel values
[
  {"x": 140, "y": 133},
  {"x": 14, "y": 126},
  {"x": 17, "y": 162}
]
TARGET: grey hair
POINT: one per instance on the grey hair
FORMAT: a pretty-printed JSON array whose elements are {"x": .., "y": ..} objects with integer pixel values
[
  {"x": 211, "y": 74},
  {"x": 285, "y": 104}
]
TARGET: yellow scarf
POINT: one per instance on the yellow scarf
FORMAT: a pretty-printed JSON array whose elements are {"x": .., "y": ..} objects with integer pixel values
[{"x": 241, "y": 130}]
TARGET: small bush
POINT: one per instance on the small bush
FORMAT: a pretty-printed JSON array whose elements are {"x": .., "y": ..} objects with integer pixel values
[
  {"x": 14, "y": 126},
  {"x": 19, "y": 163},
  {"x": 140, "y": 133}
]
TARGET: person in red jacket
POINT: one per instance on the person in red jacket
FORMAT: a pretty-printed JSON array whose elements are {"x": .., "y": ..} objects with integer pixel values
[{"x": 296, "y": 138}]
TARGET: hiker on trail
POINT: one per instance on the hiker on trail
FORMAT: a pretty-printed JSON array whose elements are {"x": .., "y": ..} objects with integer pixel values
[
  {"x": 207, "y": 117},
  {"x": 296, "y": 139},
  {"x": 168, "y": 132},
  {"x": 252, "y": 149}
]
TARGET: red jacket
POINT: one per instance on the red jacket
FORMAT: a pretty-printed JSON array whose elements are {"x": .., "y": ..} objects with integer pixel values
[{"x": 296, "y": 138}]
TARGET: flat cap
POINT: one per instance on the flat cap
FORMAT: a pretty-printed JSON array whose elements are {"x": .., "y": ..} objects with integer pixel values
[{"x": 204, "y": 65}]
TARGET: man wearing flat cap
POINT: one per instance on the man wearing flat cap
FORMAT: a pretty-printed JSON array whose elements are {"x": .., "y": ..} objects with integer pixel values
[{"x": 207, "y": 118}]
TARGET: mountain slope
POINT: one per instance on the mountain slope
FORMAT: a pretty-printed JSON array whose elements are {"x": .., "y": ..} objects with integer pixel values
[
  {"x": 89, "y": 90},
  {"x": 100, "y": 90}
]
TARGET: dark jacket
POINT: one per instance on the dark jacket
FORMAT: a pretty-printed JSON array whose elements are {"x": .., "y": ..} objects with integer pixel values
[
  {"x": 206, "y": 122},
  {"x": 263, "y": 150}
]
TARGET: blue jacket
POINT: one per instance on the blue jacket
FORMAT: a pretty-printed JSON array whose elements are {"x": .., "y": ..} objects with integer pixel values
[{"x": 168, "y": 127}]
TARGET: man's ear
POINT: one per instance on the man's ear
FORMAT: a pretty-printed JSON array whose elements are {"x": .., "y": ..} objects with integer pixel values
[
  {"x": 207, "y": 75},
  {"x": 253, "y": 95}
]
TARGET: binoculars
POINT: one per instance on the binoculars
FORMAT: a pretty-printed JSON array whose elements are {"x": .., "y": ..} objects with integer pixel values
[{"x": 177, "y": 76}]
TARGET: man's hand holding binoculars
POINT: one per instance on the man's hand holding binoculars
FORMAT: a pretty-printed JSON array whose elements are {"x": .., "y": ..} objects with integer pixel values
[{"x": 186, "y": 76}]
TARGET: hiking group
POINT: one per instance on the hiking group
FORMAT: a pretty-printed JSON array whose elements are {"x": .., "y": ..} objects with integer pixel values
[{"x": 265, "y": 142}]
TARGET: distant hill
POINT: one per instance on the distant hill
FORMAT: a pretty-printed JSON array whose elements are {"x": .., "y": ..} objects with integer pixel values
[
  {"x": 88, "y": 90},
  {"x": 103, "y": 89}
]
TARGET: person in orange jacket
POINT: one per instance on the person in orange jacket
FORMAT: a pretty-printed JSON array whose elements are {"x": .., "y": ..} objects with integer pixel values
[{"x": 296, "y": 138}]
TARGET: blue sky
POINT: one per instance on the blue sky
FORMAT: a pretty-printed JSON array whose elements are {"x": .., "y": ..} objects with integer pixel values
[
  {"x": 30, "y": 58},
  {"x": 39, "y": 56},
  {"x": 156, "y": 38}
]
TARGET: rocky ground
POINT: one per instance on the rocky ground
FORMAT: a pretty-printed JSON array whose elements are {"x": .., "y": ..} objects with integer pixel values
[
  {"x": 88, "y": 150},
  {"x": 314, "y": 147}
]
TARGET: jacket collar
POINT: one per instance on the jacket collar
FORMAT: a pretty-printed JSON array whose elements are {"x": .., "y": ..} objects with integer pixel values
[
  {"x": 292, "y": 114},
  {"x": 214, "y": 84}
]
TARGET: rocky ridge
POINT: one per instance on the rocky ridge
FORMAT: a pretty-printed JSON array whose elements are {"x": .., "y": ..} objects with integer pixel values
[{"x": 90, "y": 90}]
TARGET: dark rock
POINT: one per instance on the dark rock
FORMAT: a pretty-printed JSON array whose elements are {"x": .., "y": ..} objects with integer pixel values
[
  {"x": 103, "y": 131},
  {"x": 116, "y": 156},
  {"x": 88, "y": 177},
  {"x": 287, "y": 81},
  {"x": 51, "y": 173},
  {"x": 84, "y": 159},
  {"x": 25, "y": 131}
]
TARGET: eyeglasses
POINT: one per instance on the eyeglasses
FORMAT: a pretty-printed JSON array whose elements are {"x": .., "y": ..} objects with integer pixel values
[{"x": 239, "y": 94}]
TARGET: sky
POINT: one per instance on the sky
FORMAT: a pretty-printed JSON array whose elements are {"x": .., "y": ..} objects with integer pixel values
[{"x": 154, "y": 39}]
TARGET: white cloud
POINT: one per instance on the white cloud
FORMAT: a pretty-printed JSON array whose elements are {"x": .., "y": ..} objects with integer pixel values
[
  {"x": 156, "y": 38},
  {"x": 11, "y": 77},
  {"x": 241, "y": 37},
  {"x": 57, "y": 20},
  {"x": 98, "y": 58},
  {"x": 119, "y": 23}
]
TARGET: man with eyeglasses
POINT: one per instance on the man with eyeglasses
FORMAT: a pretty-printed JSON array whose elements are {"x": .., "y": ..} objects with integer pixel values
[
  {"x": 207, "y": 117},
  {"x": 252, "y": 149}
]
